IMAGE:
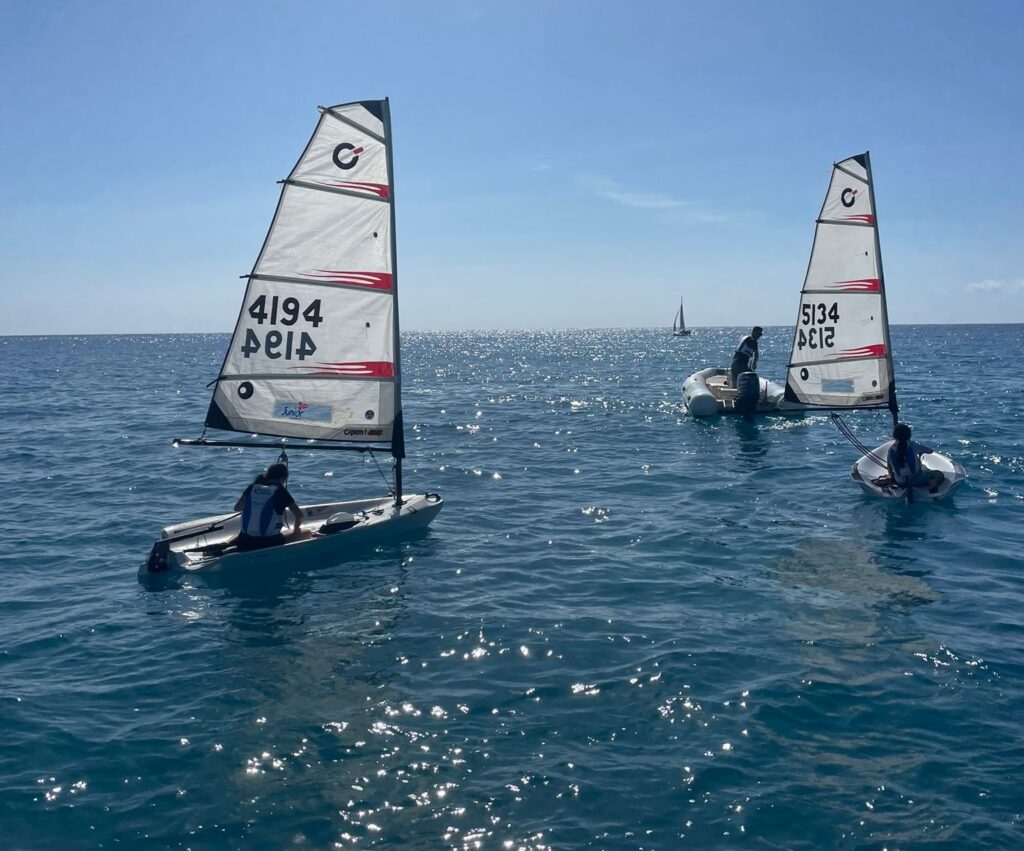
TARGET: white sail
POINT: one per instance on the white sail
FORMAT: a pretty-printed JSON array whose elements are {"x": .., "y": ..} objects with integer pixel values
[
  {"x": 841, "y": 357},
  {"x": 679, "y": 322},
  {"x": 314, "y": 353}
]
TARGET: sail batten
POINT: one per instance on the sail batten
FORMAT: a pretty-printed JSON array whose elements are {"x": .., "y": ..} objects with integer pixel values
[
  {"x": 841, "y": 357},
  {"x": 330, "y": 110},
  {"x": 334, "y": 376},
  {"x": 841, "y": 223},
  {"x": 322, "y": 280},
  {"x": 314, "y": 353},
  {"x": 849, "y": 173},
  {"x": 378, "y": 192}
]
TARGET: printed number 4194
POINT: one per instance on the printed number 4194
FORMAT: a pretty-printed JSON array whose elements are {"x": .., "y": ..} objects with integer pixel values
[
  {"x": 277, "y": 345},
  {"x": 285, "y": 311}
]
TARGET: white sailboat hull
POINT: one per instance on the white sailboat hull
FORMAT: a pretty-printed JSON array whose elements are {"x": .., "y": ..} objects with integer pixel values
[
  {"x": 376, "y": 521},
  {"x": 868, "y": 471},
  {"x": 706, "y": 394}
]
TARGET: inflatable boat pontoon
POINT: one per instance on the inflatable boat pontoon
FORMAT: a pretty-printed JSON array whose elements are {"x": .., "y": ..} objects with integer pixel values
[{"x": 708, "y": 392}]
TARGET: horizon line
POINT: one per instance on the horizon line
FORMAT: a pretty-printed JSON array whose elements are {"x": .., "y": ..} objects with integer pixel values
[{"x": 487, "y": 330}]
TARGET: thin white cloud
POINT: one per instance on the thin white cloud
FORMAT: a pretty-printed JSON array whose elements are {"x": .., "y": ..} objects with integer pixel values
[
  {"x": 993, "y": 286},
  {"x": 605, "y": 187}
]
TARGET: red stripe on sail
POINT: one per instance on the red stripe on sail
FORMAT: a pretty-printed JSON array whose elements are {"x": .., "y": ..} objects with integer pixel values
[
  {"x": 370, "y": 369},
  {"x": 370, "y": 280},
  {"x": 876, "y": 351},
  {"x": 867, "y": 218},
  {"x": 382, "y": 190},
  {"x": 860, "y": 285}
]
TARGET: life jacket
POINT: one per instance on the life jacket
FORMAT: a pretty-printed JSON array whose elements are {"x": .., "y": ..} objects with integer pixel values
[
  {"x": 260, "y": 519},
  {"x": 746, "y": 353},
  {"x": 902, "y": 474}
]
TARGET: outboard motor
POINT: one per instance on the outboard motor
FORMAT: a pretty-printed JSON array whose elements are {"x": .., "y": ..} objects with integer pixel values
[{"x": 748, "y": 390}]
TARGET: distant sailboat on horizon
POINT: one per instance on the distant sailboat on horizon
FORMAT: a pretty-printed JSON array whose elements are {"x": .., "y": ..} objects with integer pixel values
[{"x": 679, "y": 328}]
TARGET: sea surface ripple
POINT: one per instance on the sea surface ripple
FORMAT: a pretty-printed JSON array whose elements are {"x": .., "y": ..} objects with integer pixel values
[{"x": 627, "y": 629}]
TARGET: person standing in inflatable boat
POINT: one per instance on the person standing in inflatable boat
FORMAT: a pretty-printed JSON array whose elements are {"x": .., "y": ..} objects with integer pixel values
[
  {"x": 745, "y": 358},
  {"x": 904, "y": 462},
  {"x": 263, "y": 505}
]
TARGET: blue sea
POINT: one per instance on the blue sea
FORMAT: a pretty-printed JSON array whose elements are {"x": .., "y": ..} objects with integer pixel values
[{"x": 627, "y": 629}]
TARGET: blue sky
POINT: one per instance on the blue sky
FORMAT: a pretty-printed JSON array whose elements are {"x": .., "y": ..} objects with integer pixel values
[{"x": 558, "y": 164}]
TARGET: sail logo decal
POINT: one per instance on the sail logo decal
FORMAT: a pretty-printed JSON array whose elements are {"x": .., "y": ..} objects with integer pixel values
[
  {"x": 371, "y": 280},
  {"x": 345, "y": 156},
  {"x": 355, "y": 369},
  {"x": 875, "y": 351},
  {"x": 848, "y": 197},
  {"x": 859, "y": 285},
  {"x": 303, "y": 411}
]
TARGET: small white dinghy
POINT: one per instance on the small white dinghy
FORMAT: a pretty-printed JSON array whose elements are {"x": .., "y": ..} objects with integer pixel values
[
  {"x": 315, "y": 351},
  {"x": 872, "y": 474},
  {"x": 328, "y": 530}
]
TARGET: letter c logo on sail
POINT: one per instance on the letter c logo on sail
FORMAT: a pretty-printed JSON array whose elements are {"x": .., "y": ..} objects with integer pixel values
[
  {"x": 346, "y": 155},
  {"x": 848, "y": 195}
]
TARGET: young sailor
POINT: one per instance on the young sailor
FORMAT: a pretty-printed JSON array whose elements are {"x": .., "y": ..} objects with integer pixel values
[
  {"x": 745, "y": 358},
  {"x": 904, "y": 462},
  {"x": 263, "y": 505}
]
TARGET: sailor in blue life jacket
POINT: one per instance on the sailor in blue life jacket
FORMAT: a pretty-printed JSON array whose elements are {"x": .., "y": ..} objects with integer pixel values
[
  {"x": 263, "y": 505},
  {"x": 745, "y": 358},
  {"x": 904, "y": 462}
]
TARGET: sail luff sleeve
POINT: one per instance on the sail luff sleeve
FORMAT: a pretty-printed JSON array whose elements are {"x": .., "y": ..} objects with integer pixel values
[
  {"x": 840, "y": 354},
  {"x": 312, "y": 352}
]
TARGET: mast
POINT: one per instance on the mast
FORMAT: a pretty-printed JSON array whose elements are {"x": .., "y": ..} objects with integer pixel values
[
  {"x": 682, "y": 320},
  {"x": 893, "y": 405},
  {"x": 398, "y": 433}
]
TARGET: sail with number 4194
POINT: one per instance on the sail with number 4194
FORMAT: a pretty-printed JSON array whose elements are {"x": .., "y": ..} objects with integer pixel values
[{"x": 315, "y": 352}]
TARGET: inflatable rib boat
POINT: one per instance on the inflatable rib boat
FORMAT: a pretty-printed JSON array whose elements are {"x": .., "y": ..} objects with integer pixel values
[{"x": 708, "y": 392}]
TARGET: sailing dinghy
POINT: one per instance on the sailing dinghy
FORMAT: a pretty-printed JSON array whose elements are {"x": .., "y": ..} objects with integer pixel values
[
  {"x": 315, "y": 352},
  {"x": 841, "y": 358},
  {"x": 679, "y": 328}
]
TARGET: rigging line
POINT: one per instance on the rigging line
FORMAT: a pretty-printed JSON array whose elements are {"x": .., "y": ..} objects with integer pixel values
[
  {"x": 387, "y": 484},
  {"x": 846, "y": 431}
]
